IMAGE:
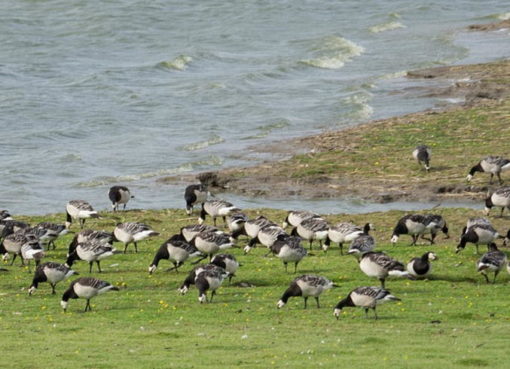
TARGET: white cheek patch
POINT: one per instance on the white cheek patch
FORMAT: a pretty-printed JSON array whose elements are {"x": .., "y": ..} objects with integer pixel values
[{"x": 394, "y": 239}]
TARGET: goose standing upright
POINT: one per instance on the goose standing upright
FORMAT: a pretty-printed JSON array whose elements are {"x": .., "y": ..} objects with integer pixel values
[
  {"x": 500, "y": 197},
  {"x": 345, "y": 232},
  {"x": 195, "y": 194},
  {"x": 87, "y": 288},
  {"x": 132, "y": 232},
  {"x": 81, "y": 210},
  {"x": 52, "y": 273},
  {"x": 490, "y": 164},
  {"x": 422, "y": 154},
  {"x": 492, "y": 261},
  {"x": 119, "y": 195},
  {"x": 90, "y": 252},
  {"x": 306, "y": 285},
  {"x": 380, "y": 265},
  {"x": 366, "y": 298}
]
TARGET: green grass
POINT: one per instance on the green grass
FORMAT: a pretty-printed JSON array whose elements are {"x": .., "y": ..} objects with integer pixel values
[{"x": 452, "y": 320}]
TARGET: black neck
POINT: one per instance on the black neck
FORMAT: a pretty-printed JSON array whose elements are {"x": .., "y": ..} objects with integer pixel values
[
  {"x": 292, "y": 291},
  {"x": 345, "y": 302},
  {"x": 476, "y": 168}
]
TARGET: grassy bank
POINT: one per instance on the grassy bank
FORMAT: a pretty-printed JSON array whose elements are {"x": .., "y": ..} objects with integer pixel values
[{"x": 452, "y": 320}]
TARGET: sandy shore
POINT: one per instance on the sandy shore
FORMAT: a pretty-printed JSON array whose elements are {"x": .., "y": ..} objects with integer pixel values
[{"x": 331, "y": 164}]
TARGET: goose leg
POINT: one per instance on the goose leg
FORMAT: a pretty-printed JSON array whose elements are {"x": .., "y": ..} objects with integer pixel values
[
  {"x": 98, "y": 266},
  {"x": 212, "y": 295},
  {"x": 285, "y": 264},
  {"x": 382, "y": 282},
  {"x": 295, "y": 266},
  {"x": 90, "y": 267},
  {"x": 306, "y": 299},
  {"x": 499, "y": 177},
  {"x": 375, "y": 313},
  {"x": 341, "y": 245},
  {"x": 366, "y": 313},
  {"x": 492, "y": 176},
  {"x": 52, "y": 288},
  {"x": 317, "y": 299},
  {"x": 486, "y": 278},
  {"x": 125, "y": 248},
  {"x": 136, "y": 247},
  {"x": 495, "y": 275}
]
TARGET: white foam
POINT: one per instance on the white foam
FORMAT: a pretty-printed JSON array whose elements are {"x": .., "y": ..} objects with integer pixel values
[
  {"x": 333, "y": 52},
  {"x": 179, "y": 63},
  {"x": 386, "y": 27},
  {"x": 503, "y": 16},
  {"x": 213, "y": 140}
]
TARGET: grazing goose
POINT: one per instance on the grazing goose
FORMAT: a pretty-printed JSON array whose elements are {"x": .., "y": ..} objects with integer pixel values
[
  {"x": 412, "y": 224},
  {"x": 132, "y": 232},
  {"x": 362, "y": 244},
  {"x": 119, "y": 195},
  {"x": 380, "y": 265},
  {"x": 5, "y": 215},
  {"x": 81, "y": 210},
  {"x": 227, "y": 262},
  {"x": 177, "y": 250},
  {"x": 90, "y": 252},
  {"x": 52, "y": 273},
  {"x": 420, "y": 267},
  {"x": 267, "y": 236},
  {"x": 89, "y": 235},
  {"x": 476, "y": 221},
  {"x": 500, "y": 197},
  {"x": 478, "y": 234},
  {"x": 306, "y": 285},
  {"x": 52, "y": 231},
  {"x": 289, "y": 250},
  {"x": 9, "y": 226},
  {"x": 32, "y": 250},
  {"x": 210, "y": 243},
  {"x": 433, "y": 224},
  {"x": 252, "y": 227},
  {"x": 490, "y": 164},
  {"x": 14, "y": 243},
  {"x": 209, "y": 280},
  {"x": 312, "y": 229},
  {"x": 507, "y": 238},
  {"x": 366, "y": 298},
  {"x": 195, "y": 194},
  {"x": 492, "y": 261},
  {"x": 422, "y": 155},
  {"x": 216, "y": 208},
  {"x": 190, "y": 279},
  {"x": 235, "y": 223},
  {"x": 345, "y": 232},
  {"x": 189, "y": 232},
  {"x": 294, "y": 218},
  {"x": 85, "y": 287}
]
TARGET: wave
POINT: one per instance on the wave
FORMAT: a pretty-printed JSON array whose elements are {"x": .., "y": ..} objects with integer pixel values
[
  {"x": 333, "y": 52},
  {"x": 503, "y": 16},
  {"x": 394, "y": 75},
  {"x": 389, "y": 26},
  {"x": 214, "y": 140},
  {"x": 180, "y": 63},
  {"x": 357, "y": 106},
  {"x": 264, "y": 131}
]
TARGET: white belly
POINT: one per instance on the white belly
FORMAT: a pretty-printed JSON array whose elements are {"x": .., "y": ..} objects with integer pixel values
[
  {"x": 122, "y": 235},
  {"x": 177, "y": 254},
  {"x": 499, "y": 200},
  {"x": 214, "y": 283},
  {"x": 372, "y": 269},
  {"x": 85, "y": 291},
  {"x": 53, "y": 275},
  {"x": 206, "y": 247},
  {"x": 308, "y": 290}
]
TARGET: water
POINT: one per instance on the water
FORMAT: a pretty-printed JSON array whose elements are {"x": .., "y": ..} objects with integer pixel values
[{"x": 123, "y": 92}]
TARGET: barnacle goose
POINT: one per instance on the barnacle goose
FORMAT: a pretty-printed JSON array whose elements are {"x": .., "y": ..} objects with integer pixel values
[
  {"x": 478, "y": 234},
  {"x": 210, "y": 243},
  {"x": 89, "y": 235},
  {"x": 5, "y": 215},
  {"x": 490, "y": 164},
  {"x": 10, "y": 226},
  {"x": 361, "y": 245},
  {"x": 87, "y": 288},
  {"x": 52, "y": 231},
  {"x": 492, "y": 261},
  {"x": 195, "y": 194},
  {"x": 132, "y": 232},
  {"x": 420, "y": 267},
  {"x": 204, "y": 277},
  {"x": 289, "y": 250},
  {"x": 81, "y": 210},
  {"x": 177, "y": 250},
  {"x": 216, "y": 208},
  {"x": 433, "y": 224},
  {"x": 235, "y": 223},
  {"x": 267, "y": 236},
  {"x": 345, "y": 232},
  {"x": 21, "y": 243},
  {"x": 119, "y": 195},
  {"x": 189, "y": 232},
  {"x": 227, "y": 262},
  {"x": 366, "y": 298},
  {"x": 422, "y": 155},
  {"x": 295, "y": 217},
  {"x": 90, "y": 252},
  {"x": 500, "y": 197},
  {"x": 306, "y": 285},
  {"x": 412, "y": 224},
  {"x": 192, "y": 275},
  {"x": 312, "y": 229},
  {"x": 52, "y": 273},
  {"x": 380, "y": 265}
]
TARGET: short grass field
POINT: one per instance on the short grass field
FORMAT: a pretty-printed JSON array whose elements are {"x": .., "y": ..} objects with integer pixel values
[{"x": 454, "y": 319}]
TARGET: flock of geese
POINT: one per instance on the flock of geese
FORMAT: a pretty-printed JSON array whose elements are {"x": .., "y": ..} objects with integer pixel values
[{"x": 207, "y": 241}]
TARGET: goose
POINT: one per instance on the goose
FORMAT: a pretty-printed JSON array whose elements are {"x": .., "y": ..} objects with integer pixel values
[
  {"x": 345, "y": 232},
  {"x": 267, "y": 236},
  {"x": 490, "y": 164},
  {"x": 89, "y": 235},
  {"x": 227, "y": 262},
  {"x": 366, "y": 298},
  {"x": 195, "y": 194},
  {"x": 32, "y": 250},
  {"x": 361, "y": 245},
  {"x": 294, "y": 218},
  {"x": 177, "y": 250},
  {"x": 235, "y": 224},
  {"x": 90, "y": 252},
  {"x": 209, "y": 280},
  {"x": 132, "y": 232},
  {"x": 412, "y": 224},
  {"x": 81, "y": 210},
  {"x": 433, "y": 224},
  {"x": 252, "y": 227},
  {"x": 380, "y": 265},
  {"x": 192, "y": 275},
  {"x": 476, "y": 221},
  {"x": 500, "y": 197},
  {"x": 478, "y": 234},
  {"x": 289, "y": 250},
  {"x": 119, "y": 195},
  {"x": 210, "y": 243},
  {"x": 312, "y": 229},
  {"x": 87, "y": 288},
  {"x": 13, "y": 244},
  {"x": 507, "y": 238},
  {"x": 189, "y": 232},
  {"x": 10, "y": 226},
  {"x": 216, "y": 208},
  {"x": 306, "y": 285},
  {"x": 52, "y": 232},
  {"x": 5, "y": 215},
  {"x": 492, "y": 261},
  {"x": 420, "y": 267},
  {"x": 422, "y": 155},
  {"x": 52, "y": 273}
]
